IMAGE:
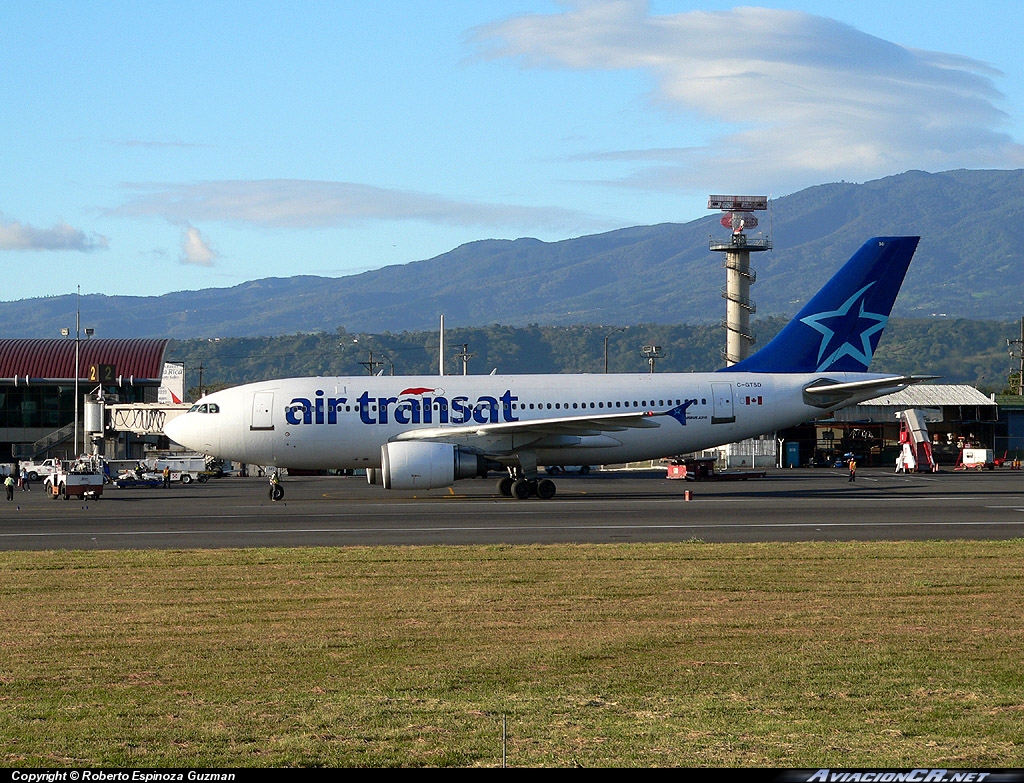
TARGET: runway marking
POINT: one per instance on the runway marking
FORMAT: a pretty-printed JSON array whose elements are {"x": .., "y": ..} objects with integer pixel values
[
  {"x": 531, "y": 507},
  {"x": 499, "y": 528}
]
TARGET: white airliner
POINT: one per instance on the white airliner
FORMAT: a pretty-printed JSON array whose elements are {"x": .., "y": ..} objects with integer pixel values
[{"x": 422, "y": 432}]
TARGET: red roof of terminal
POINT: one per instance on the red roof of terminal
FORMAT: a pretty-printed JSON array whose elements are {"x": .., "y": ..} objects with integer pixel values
[{"x": 55, "y": 359}]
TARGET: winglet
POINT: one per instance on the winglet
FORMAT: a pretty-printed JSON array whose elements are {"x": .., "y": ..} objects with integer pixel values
[{"x": 838, "y": 330}]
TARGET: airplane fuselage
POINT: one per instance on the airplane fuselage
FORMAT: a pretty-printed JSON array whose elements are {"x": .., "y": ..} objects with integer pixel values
[{"x": 343, "y": 422}]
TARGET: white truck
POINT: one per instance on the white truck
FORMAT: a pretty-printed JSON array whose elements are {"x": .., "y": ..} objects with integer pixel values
[
  {"x": 183, "y": 469},
  {"x": 38, "y": 470}
]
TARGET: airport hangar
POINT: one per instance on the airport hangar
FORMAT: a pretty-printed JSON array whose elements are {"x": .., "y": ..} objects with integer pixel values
[
  {"x": 38, "y": 390},
  {"x": 957, "y": 416}
]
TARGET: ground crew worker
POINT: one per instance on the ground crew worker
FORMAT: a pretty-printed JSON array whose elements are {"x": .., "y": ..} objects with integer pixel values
[
  {"x": 9, "y": 485},
  {"x": 167, "y": 476},
  {"x": 853, "y": 469}
]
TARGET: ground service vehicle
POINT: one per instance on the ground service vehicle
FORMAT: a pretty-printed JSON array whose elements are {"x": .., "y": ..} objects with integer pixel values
[
  {"x": 37, "y": 470},
  {"x": 83, "y": 478},
  {"x": 183, "y": 469}
]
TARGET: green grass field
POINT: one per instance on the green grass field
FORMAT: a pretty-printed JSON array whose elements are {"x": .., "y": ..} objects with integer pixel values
[{"x": 779, "y": 655}]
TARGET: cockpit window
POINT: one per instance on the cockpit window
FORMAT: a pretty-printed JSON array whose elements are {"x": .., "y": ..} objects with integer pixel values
[{"x": 210, "y": 407}]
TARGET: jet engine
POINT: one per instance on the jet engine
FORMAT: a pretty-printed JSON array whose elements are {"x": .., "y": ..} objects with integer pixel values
[{"x": 427, "y": 465}]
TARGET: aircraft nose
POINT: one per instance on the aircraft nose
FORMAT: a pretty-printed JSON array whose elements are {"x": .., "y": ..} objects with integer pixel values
[
  {"x": 176, "y": 428},
  {"x": 187, "y": 431}
]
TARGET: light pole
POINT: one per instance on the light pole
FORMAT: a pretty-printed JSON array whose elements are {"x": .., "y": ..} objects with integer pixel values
[
  {"x": 652, "y": 352},
  {"x": 620, "y": 329},
  {"x": 78, "y": 340}
]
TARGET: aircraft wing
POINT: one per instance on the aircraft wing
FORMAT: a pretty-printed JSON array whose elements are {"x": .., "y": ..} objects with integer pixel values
[{"x": 590, "y": 424}]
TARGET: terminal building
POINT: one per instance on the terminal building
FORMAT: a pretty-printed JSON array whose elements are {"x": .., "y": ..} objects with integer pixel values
[{"x": 47, "y": 386}]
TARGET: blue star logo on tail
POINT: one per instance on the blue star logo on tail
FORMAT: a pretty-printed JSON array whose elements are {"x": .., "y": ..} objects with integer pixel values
[{"x": 848, "y": 325}]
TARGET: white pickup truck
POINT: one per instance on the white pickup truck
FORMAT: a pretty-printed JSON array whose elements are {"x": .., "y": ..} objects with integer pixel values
[{"x": 38, "y": 470}]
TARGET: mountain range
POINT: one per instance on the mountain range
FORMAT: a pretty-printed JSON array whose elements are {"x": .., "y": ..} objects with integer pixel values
[{"x": 968, "y": 265}]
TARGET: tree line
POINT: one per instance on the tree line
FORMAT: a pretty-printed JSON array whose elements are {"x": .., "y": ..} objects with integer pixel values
[{"x": 958, "y": 350}]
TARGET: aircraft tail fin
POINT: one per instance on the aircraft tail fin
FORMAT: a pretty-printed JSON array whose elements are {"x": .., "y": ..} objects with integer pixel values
[{"x": 839, "y": 328}]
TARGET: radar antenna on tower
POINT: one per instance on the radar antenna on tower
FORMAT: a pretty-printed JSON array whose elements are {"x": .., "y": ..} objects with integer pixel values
[{"x": 738, "y": 215}]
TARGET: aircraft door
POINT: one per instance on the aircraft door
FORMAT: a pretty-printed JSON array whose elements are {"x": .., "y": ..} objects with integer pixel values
[
  {"x": 722, "y": 412},
  {"x": 262, "y": 411}
]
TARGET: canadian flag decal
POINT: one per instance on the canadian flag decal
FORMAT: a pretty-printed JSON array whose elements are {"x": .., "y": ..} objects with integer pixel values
[{"x": 755, "y": 401}]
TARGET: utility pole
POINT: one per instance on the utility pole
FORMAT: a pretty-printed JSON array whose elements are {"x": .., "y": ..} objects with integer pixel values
[
  {"x": 371, "y": 365},
  {"x": 1017, "y": 352},
  {"x": 465, "y": 356}
]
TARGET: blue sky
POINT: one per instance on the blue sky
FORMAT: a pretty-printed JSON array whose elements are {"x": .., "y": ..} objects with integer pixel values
[{"x": 161, "y": 146}]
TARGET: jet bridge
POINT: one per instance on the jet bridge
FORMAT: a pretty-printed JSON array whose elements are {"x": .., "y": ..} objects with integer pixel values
[{"x": 144, "y": 418}]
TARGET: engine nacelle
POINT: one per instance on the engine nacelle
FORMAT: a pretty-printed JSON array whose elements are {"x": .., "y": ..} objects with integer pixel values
[{"x": 427, "y": 465}]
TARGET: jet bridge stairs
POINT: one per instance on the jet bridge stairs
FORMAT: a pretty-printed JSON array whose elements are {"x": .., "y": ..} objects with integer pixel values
[{"x": 915, "y": 444}]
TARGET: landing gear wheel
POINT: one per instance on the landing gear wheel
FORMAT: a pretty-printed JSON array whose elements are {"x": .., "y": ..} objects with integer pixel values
[
  {"x": 545, "y": 489},
  {"x": 505, "y": 487},
  {"x": 523, "y": 488}
]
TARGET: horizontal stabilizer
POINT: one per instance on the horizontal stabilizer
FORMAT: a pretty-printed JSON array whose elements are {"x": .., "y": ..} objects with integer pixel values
[{"x": 825, "y": 393}]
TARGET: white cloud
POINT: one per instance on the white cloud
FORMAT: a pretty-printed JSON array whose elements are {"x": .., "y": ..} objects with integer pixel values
[
  {"x": 808, "y": 97},
  {"x": 195, "y": 249},
  {"x": 290, "y": 203},
  {"x": 15, "y": 235}
]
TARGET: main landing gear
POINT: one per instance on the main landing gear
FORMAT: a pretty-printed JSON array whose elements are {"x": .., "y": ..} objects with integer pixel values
[{"x": 521, "y": 488}]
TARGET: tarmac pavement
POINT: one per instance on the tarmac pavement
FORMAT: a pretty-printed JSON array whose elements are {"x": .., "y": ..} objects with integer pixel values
[{"x": 604, "y": 507}]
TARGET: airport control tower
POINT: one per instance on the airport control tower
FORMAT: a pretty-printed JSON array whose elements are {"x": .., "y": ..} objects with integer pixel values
[{"x": 738, "y": 215}]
